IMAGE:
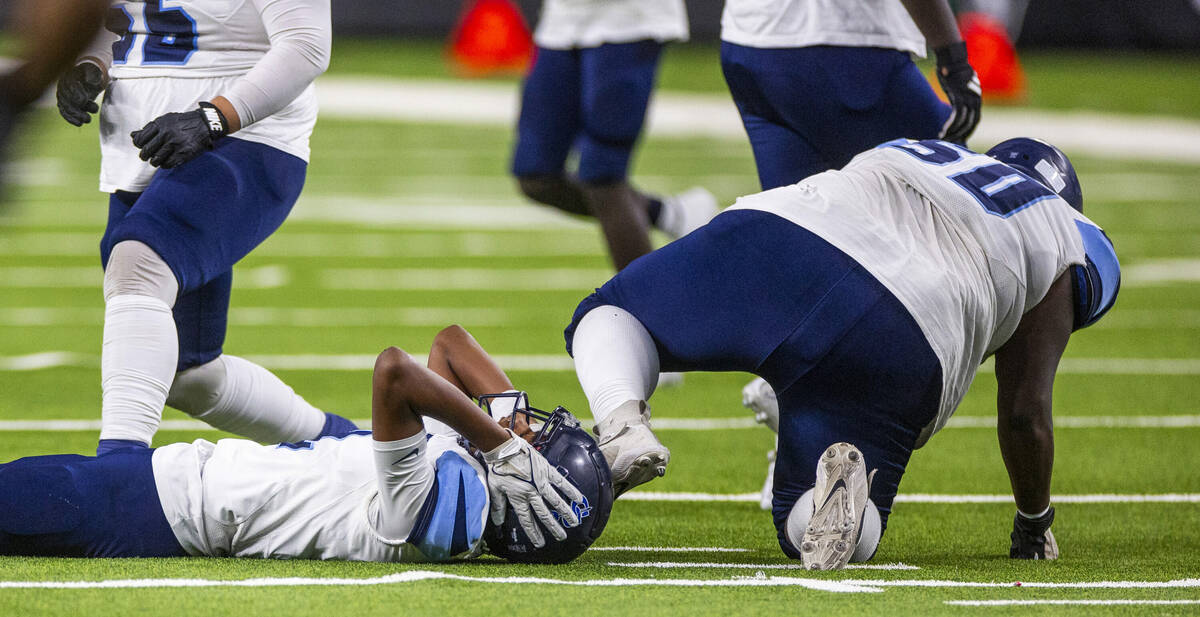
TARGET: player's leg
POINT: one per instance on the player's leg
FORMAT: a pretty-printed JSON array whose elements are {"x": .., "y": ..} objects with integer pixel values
[
  {"x": 199, "y": 219},
  {"x": 719, "y": 299},
  {"x": 616, "y": 84},
  {"x": 232, "y": 393},
  {"x": 782, "y": 153},
  {"x": 77, "y": 506},
  {"x": 867, "y": 378},
  {"x": 546, "y": 128}
]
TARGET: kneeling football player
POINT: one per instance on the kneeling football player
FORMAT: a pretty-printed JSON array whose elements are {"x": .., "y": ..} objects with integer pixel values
[
  {"x": 866, "y": 298},
  {"x": 437, "y": 479}
]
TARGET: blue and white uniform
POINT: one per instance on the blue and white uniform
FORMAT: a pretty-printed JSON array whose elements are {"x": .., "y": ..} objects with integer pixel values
[
  {"x": 344, "y": 499},
  {"x": 866, "y": 297},
  {"x": 205, "y": 215},
  {"x": 590, "y": 84},
  {"x": 818, "y": 81}
]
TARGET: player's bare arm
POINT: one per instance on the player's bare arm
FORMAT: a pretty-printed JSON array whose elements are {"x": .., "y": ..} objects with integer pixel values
[
  {"x": 458, "y": 358},
  {"x": 403, "y": 391},
  {"x": 1025, "y": 368}
]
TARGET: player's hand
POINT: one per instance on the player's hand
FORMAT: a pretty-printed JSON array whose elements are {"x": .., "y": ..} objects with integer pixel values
[
  {"x": 519, "y": 475},
  {"x": 1031, "y": 537},
  {"x": 961, "y": 85},
  {"x": 173, "y": 139},
  {"x": 77, "y": 91}
]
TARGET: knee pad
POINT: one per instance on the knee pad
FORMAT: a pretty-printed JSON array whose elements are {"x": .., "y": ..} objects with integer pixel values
[{"x": 135, "y": 269}]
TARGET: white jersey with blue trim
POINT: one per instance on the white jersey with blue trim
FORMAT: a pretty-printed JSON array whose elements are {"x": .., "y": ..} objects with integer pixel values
[
  {"x": 168, "y": 55},
  {"x": 319, "y": 500},
  {"x": 574, "y": 24},
  {"x": 805, "y": 23},
  {"x": 966, "y": 243}
]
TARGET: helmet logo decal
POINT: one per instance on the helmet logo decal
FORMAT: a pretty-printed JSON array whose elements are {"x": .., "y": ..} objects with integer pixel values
[{"x": 1051, "y": 174}]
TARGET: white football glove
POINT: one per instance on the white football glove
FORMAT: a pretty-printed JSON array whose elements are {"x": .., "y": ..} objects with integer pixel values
[{"x": 519, "y": 475}]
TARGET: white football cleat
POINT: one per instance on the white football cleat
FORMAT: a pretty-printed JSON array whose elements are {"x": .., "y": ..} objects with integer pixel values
[
  {"x": 684, "y": 212},
  {"x": 759, "y": 397},
  {"x": 766, "y": 497},
  {"x": 634, "y": 454},
  {"x": 839, "y": 507}
]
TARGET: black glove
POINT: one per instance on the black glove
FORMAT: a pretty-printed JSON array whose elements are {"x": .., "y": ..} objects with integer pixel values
[
  {"x": 1031, "y": 537},
  {"x": 961, "y": 85},
  {"x": 77, "y": 91},
  {"x": 173, "y": 139}
]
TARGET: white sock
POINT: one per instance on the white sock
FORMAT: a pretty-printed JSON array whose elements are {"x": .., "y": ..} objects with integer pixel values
[
  {"x": 868, "y": 537},
  {"x": 615, "y": 359},
  {"x": 137, "y": 364},
  {"x": 243, "y": 398}
]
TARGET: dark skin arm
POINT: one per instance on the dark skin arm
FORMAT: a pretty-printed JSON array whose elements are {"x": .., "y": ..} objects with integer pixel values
[
  {"x": 459, "y": 359},
  {"x": 935, "y": 20},
  {"x": 403, "y": 391},
  {"x": 53, "y": 33},
  {"x": 1025, "y": 368}
]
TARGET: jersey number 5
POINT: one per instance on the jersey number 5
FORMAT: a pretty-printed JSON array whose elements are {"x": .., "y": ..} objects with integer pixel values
[
  {"x": 171, "y": 39},
  {"x": 1000, "y": 189}
]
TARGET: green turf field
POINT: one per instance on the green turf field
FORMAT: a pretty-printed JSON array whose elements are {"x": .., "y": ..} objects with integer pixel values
[{"x": 405, "y": 227}]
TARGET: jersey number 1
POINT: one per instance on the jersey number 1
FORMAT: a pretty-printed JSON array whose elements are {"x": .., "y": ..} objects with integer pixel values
[{"x": 171, "y": 39}]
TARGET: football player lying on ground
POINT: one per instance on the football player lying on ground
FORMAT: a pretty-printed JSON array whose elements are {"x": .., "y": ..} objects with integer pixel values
[
  {"x": 867, "y": 298},
  {"x": 412, "y": 491}
]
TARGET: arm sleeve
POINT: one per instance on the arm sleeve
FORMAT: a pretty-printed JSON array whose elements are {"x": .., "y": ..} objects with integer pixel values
[
  {"x": 99, "y": 51},
  {"x": 404, "y": 478},
  {"x": 301, "y": 38}
]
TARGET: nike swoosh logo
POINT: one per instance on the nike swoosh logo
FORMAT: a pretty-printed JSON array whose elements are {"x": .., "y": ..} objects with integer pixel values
[{"x": 406, "y": 456}]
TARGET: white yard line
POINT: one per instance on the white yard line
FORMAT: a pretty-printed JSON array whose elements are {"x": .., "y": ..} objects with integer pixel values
[
  {"x": 287, "y": 317},
  {"x": 695, "y": 115},
  {"x": 412, "y": 576},
  {"x": 674, "y": 565},
  {"x": 1118, "y": 602},
  {"x": 921, "y": 498},
  {"x": 464, "y": 279},
  {"x": 59, "y": 277}
]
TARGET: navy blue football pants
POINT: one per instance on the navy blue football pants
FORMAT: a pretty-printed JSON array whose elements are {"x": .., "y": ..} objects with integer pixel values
[
  {"x": 201, "y": 218},
  {"x": 811, "y": 109},
  {"x": 754, "y": 292},
  {"x": 67, "y": 505},
  {"x": 593, "y": 100}
]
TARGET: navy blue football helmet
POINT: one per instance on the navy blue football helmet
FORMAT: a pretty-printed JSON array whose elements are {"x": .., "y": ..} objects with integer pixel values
[
  {"x": 574, "y": 452},
  {"x": 1044, "y": 163}
]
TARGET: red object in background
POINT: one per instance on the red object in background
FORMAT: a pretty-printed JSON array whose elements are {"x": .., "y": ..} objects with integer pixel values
[
  {"x": 993, "y": 57},
  {"x": 491, "y": 37}
]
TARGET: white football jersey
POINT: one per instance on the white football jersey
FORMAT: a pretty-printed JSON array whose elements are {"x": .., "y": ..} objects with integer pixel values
[
  {"x": 804, "y": 23},
  {"x": 966, "y": 243},
  {"x": 167, "y": 56},
  {"x": 315, "y": 500},
  {"x": 571, "y": 24}
]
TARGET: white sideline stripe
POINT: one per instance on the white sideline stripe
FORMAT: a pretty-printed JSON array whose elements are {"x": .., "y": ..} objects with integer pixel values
[
  {"x": 695, "y": 115},
  {"x": 671, "y": 549},
  {"x": 434, "y": 212},
  {"x": 664, "y": 424},
  {"x": 923, "y": 498},
  {"x": 562, "y": 362},
  {"x": 1069, "y": 602},
  {"x": 424, "y": 575},
  {"x": 56, "y": 277},
  {"x": 287, "y": 317},
  {"x": 466, "y": 279},
  {"x": 837, "y": 586},
  {"x": 537, "y": 242},
  {"x": 1161, "y": 272},
  {"x": 669, "y": 565}
]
